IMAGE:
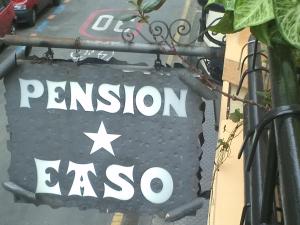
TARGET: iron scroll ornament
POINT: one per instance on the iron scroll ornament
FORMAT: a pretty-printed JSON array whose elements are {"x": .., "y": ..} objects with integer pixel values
[{"x": 162, "y": 33}]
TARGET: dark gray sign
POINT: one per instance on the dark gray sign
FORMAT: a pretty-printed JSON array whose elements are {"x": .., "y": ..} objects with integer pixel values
[{"x": 103, "y": 136}]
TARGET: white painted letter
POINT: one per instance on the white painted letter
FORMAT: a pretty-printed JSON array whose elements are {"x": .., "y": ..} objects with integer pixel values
[
  {"x": 108, "y": 18},
  {"x": 118, "y": 28},
  {"x": 84, "y": 98},
  {"x": 53, "y": 95},
  {"x": 167, "y": 181},
  {"x": 128, "y": 108},
  {"x": 43, "y": 177},
  {"x": 114, "y": 104},
  {"x": 178, "y": 104},
  {"x": 113, "y": 174},
  {"x": 156, "y": 98},
  {"x": 81, "y": 179},
  {"x": 36, "y": 92}
]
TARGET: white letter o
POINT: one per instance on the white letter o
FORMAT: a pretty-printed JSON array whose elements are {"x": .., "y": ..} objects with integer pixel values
[
  {"x": 167, "y": 181},
  {"x": 156, "y": 97}
]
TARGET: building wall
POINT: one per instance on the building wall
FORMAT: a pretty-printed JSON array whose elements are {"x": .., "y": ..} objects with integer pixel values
[{"x": 227, "y": 199}]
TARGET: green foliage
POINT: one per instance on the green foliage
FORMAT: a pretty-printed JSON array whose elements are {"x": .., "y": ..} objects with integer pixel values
[
  {"x": 287, "y": 14},
  {"x": 152, "y": 5},
  {"x": 223, "y": 143},
  {"x": 236, "y": 116},
  {"x": 228, "y": 4},
  {"x": 252, "y": 13},
  {"x": 139, "y": 2},
  {"x": 267, "y": 97},
  {"x": 261, "y": 32},
  {"x": 143, "y": 7},
  {"x": 133, "y": 2},
  {"x": 271, "y": 21},
  {"x": 225, "y": 26},
  {"x": 128, "y": 17}
]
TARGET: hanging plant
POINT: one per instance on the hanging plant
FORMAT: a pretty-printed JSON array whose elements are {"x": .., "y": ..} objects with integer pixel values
[{"x": 270, "y": 21}]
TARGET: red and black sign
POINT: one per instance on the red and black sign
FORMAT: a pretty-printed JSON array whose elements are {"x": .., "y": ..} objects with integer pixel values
[{"x": 103, "y": 136}]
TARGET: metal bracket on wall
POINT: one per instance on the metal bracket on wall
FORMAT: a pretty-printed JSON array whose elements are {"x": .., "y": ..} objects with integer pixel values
[
  {"x": 243, "y": 76},
  {"x": 254, "y": 54},
  {"x": 269, "y": 117}
]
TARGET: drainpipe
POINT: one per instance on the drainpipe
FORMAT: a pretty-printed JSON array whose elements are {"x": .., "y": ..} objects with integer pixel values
[{"x": 286, "y": 91}]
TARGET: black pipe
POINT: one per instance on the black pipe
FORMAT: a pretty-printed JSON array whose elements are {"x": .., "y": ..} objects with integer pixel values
[
  {"x": 286, "y": 91},
  {"x": 245, "y": 73},
  {"x": 278, "y": 112},
  {"x": 270, "y": 180},
  {"x": 246, "y": 213},
  {"x": 255, "y": 84}
]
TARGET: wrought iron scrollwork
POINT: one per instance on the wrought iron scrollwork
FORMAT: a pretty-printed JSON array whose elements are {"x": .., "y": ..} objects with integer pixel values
[
  {"x": 128, "y": 35},
  {"x": 178, "y": 33},
  {"x": 161, "y": 32},
  {"x": 183, "y": 29},
  {"x": 211, "y": 35}
]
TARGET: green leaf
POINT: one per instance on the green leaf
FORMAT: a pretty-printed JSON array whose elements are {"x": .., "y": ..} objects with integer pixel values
[
  {"x": 134, "y": 3},
  {"x": 227, "y": 4},
  {"x": 287, "y": 14},
  {"x": 162, "y": 2},
  {"x": 267, "y": 97},
  {"x": 261, "y": 32},
  {"x": 268, "y": 33},
  {"x": 236, "y": 116},
  {"x": 128, "y": 17},
  {"x": 139, "y": 2},
  {"x": 225, "y": 25},
  {"x": 151, "y": 5},
  {"x": 275, "y": 35},
  {"x": 252, "y": 13}
]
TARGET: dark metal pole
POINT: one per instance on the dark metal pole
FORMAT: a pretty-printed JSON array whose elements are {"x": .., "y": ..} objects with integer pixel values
[
  {"x": 255, "y": 84},
  {"x": 75, "y": 43},
  {"x": 286, "y": 91},
  {"x": 246, "y": 215},
  {"x": 270, "y": 180}
]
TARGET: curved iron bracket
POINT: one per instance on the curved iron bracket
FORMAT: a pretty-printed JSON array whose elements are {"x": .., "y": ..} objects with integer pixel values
[
  {"x": 162, "y": 33},
  {"x": 270, "y": 116},
  {"x": 246, "y": 139},
  {"x": 261, "y": 53},
  {"x": 246, "y": 73}
]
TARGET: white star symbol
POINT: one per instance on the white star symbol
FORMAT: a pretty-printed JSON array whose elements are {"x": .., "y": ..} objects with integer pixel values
[{"x": 102, "y": 140}]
